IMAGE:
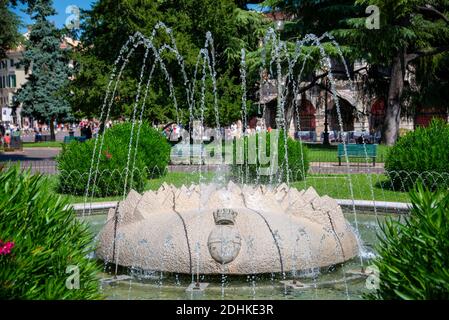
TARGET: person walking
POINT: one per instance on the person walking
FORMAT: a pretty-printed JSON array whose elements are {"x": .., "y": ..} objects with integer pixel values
[{"x": 7, "y": 140}]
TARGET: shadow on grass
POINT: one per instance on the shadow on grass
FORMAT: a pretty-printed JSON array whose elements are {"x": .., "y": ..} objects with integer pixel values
[
  {"x": 318, "y": 147},
  {"x": 387, "y": 184}
]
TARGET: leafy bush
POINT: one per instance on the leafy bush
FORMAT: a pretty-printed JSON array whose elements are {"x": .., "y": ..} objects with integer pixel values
[
  {"x": 413, "y": 262},
  {"x": 151, "y": 159},
  {"x": 298, "y": 162},
  {"x": 41, "y": 238},
  {"x": 421, "y": 155}
]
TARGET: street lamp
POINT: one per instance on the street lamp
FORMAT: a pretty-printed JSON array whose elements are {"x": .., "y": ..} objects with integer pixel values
[
  {"x": 326, "y": 123},
  {"x": 326, "y": 69},
  {"x": 279, "y": 24}
]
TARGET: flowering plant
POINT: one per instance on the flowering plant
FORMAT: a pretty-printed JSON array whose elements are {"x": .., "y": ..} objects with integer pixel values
[{"x": 5, "y": 247}]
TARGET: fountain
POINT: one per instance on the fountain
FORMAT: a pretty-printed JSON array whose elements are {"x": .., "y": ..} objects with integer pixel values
[
  {"x": 217, "y": 229},
  {"x": 229, "y": 216}
]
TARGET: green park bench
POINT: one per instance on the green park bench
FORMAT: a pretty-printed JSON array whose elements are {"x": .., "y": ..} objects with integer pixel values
[
  {"x": 358, "y": 151},
  {"x": 68, "y": 139}
]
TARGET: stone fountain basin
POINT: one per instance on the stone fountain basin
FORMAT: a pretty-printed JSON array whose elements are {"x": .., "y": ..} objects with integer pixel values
[{"x": 178, "y": 230}]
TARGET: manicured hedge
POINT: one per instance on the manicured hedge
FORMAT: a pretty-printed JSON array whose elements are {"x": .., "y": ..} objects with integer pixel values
[
  {"x": 151, "y": 160},
  {"x": 420, "y": 156}
]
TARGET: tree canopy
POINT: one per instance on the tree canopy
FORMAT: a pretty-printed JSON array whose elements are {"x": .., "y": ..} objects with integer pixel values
[
  {"x": 107, "y": 26},
  {"x": 10, "y": 22},
  {"x": 409, "y": 34},
  {"x": 410, "y": 30},
  {"x": 41, "y": 96}
]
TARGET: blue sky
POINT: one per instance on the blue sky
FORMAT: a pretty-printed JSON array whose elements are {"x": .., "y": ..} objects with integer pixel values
[
  {"x": 257, "y": 7},
  {"x": 60, "y": 6}
]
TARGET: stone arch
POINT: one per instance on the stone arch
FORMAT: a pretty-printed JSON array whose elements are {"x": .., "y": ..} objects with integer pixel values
[{"x": 347, "y": 115}]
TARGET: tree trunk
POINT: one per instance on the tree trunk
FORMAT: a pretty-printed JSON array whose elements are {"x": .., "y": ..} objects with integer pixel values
[
  {"x": 52, "y": 130},
  {"x": 393, "y": 110}
]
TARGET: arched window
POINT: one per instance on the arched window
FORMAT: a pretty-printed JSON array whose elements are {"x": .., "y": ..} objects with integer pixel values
[
  {"x": 347, "y": 116},
  {"x": 307, "y": 116}
]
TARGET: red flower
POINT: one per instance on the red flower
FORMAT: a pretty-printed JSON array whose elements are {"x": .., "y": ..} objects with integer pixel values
[
  {"x": 108, "y": 155},
  {"x": 5, "y": 248}
]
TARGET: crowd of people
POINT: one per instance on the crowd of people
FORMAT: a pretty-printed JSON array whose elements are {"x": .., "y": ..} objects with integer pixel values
[
  {"x": 89, "y": 129},
  {"x": 235, "y": 130},
  {"x": 173, "y": 131},
  {"x": 86, "y": 128},
  {"x": 7, "y": 132}
]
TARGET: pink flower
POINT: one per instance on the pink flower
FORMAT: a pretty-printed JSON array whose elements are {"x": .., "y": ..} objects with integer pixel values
[
  {"x": 5, "y": 248},
  {"x": 108, "y": 155}
]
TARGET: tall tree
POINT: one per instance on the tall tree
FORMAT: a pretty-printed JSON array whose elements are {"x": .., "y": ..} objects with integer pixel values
[
  {"x": 108, "y": 25},
  {"x": 410, "y": 30},
  {"x": 41, "y": 96},
  {"x": 433, "y": 81},
  {"x": 9, "y": 22}
]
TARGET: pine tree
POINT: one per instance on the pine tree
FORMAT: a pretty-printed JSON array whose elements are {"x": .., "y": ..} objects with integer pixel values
[{"x": 41, "y": 96}]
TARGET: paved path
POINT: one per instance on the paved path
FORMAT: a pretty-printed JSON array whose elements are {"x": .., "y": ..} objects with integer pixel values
[
  {"x": 40, "y": 160},
  {"x": 354, "y": 167},
  {"x": 31, "y": 154},
  {"x": 43, "y": 160}
]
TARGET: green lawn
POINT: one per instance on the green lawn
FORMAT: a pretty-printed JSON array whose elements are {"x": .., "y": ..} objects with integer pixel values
[
  {"x": 336, "y": 186},
  {"x": 364, "y": 187},
  {"x": 320, "y": 153},
  {"x": 175, "y": 178},
  {"x": 46, "y": 144}
]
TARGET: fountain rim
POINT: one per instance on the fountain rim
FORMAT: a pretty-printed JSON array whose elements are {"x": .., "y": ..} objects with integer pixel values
[{"x": 99, "y": 208}]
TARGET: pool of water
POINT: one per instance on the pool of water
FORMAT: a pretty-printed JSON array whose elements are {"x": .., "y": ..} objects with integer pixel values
[{"x": 331, "y": 283}]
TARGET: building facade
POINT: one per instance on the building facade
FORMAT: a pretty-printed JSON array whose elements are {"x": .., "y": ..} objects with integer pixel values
[
  {"x": 356, "y": 113},
  {"x": 12, "y": 77},
  {"x": 317, "y": 109}
]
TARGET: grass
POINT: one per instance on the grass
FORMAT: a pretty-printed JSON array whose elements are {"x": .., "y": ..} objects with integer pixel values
[
  {"x": 320, "y": 153},
  {"x": 175, "y": 178},
  {"x": 336, "y": 186},
  {"x": 44, "y": 144},
  {"x": 364, "y": 187}
]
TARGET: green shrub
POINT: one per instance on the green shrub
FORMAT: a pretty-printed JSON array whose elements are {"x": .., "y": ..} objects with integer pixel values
[
  {"x": 420, "y": 156},
  {"x": 47, "y": 239},
  {"x": 298, "y": 162},
  {"x": 151, "y": 160},
  {"x": 413, "y": 257}
]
